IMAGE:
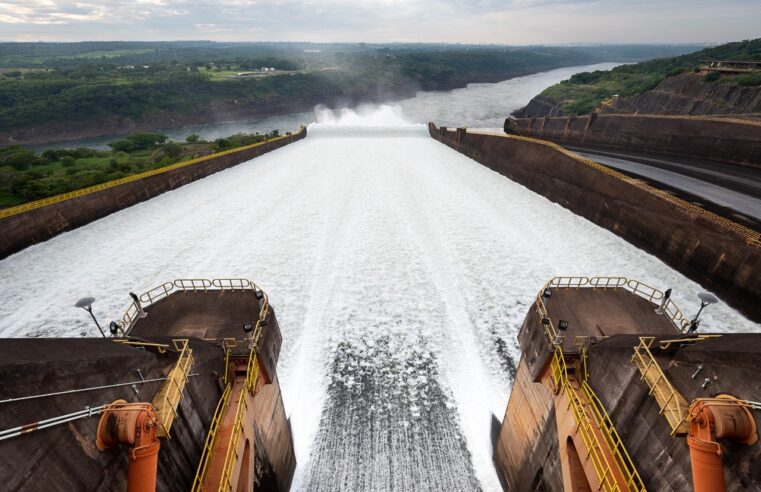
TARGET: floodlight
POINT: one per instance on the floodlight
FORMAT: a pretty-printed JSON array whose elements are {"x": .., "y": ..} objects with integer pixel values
[{"x": 86, "y": 304}]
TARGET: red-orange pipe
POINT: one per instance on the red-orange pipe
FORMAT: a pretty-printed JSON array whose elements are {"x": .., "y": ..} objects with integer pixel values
[
  {"x": 710, "y": 420},
  {"x": 143, "y": 463},
  {"x": 133, "y": 424}
]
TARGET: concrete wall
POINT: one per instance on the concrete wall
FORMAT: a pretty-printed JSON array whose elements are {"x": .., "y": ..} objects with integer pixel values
[
  {"x": 526, "y": 453},
  {"x": 31, "y": 224},
  {"x": 712, "y": 138},
  {"x": 722, "y": 256},
  {"x": 64, "y": 457}
]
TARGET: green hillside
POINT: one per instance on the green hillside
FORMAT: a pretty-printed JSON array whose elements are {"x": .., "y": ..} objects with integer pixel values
[{"x": 584, "y": 92}]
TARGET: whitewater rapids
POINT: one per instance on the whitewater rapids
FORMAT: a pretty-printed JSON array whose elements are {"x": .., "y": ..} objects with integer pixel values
[{"x": 400, "y": 271}]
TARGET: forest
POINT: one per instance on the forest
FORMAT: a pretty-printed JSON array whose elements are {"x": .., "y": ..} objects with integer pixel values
[{"x": 46, "y": 86}]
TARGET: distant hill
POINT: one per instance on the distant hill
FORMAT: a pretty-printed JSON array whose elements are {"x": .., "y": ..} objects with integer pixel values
[{"x": 665, "y": 86}]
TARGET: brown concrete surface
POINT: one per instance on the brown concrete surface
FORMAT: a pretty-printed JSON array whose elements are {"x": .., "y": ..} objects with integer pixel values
[
  {"x": 212, "y": 314},
  {"x": 729, "y": 140},
  {"x": 64, "y": 458},
  {"x": 604, "y": 312},
  {"x": 526, "y": 452},
  {"x": 730, "y": 362},
  {"x": 222, "y": 314},
  {"x": 40, "y": 224},
  {"x": 717, "y": 258}
]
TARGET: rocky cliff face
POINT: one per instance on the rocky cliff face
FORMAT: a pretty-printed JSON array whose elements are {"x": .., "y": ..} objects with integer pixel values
[
  {"x": 689, "y": 94},
  {"x": 686, "y": 94},
  {"x": 540, "y": 106}
]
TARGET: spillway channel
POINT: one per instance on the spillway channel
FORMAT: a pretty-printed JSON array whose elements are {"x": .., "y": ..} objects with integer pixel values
[{"x": 400, "y": 271}]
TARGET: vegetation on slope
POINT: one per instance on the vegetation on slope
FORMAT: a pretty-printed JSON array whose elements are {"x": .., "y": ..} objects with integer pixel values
[
  {"x": 26, "y": 175},
  {"x": 584, "y": 92}
]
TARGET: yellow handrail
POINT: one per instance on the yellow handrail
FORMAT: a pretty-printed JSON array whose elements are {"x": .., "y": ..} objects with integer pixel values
[
  {"x": 586, "y": 425},
  {"x": 135, "y": 177},
  {"x": 672, "y": 404},
  {"x": 252, "y": 376},
  {"x": 613, "y": 438},
  {"x": 168, "y": 398},
  {"x": 212, "y": 438},
  {"x": 651, "y": 294},
  {"x": 159, "y": 292}
]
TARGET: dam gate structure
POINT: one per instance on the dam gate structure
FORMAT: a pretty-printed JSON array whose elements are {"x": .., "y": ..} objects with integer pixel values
[{"x": 600, "y": 401}]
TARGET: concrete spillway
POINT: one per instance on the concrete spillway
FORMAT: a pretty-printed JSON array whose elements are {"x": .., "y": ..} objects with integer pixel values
[{"x": 400, "y": 269}]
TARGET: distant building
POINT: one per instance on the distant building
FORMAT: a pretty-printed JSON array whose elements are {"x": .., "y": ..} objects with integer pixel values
[{"x": 730, "y": 66}]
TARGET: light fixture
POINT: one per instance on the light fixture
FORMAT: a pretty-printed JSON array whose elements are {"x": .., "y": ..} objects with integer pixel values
[
  {"x": 86, "y": 304},
  {"x": 248, "y": 328},
  {"x": 562, "y": 324},
  {"x": 113, "y": 327},
  {"x": 662, "y": 308},
  {"x": 547, "y": 293},
  {"x": 259, "y": 295},
  {"x": 140, "y": 312}
]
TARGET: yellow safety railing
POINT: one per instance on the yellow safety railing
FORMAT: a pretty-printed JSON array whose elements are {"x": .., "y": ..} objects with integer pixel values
[
  {"x": 159, "y": 347},
  {"x": 609, "y": 455},
  {"x": 672, "y": 404},
  {"x": 636, "y": 287},
  {"x": 252, "y": 376},
  {"x": 212, "y": 438},
  {"x": 751, "y": 237},
  {"x": 634, "y": 481},
  {"x": 135, "y": 177},
  {"x": 159, "y": 292},
  {"x": 168, "y": 398}
]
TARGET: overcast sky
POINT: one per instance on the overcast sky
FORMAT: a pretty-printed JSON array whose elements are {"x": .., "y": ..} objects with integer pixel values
[{"x": 465, "y": 21}]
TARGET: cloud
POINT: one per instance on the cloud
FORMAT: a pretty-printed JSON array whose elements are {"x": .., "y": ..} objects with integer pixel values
[{"x": 470, "y": 21}]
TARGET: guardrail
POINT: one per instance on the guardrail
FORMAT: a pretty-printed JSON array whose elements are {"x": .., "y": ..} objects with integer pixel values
[
  {"x": 135, "y": 177},
  {"x": 134, "y": 311},
  {"x": 168, "y": 398},
  {"x": 672, "y": 404},
  {"x": 231, "y": 456},
  {"x": 212, "y": 438},
  {"x": 608, "y": 456},
  {"x": 651, "y": 294}
]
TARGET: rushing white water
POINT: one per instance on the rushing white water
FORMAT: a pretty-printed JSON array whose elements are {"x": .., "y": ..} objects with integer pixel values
[{"x": 400, "y": 271}]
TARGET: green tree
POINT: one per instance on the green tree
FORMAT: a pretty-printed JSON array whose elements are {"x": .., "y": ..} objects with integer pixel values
[
  {"x": 172, "y": 150},
  {"x": 192, "y": 138}
]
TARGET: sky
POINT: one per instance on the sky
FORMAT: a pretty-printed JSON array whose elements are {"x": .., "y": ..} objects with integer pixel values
[{"x": 454, "y": 21}]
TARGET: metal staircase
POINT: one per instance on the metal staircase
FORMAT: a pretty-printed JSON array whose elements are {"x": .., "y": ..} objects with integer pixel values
[{"x": 672, "y": 405}]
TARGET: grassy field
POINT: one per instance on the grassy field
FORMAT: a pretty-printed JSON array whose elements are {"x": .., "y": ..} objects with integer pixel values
[{"x": 110, "y": 53}]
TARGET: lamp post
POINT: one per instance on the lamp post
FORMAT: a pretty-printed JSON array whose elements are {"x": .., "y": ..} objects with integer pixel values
[
  {"x": 86, "y": 304},
  {"x": 706, "y": 299}
]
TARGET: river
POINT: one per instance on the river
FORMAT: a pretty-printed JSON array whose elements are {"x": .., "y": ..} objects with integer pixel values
[{"x": 476, "y": 106}]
